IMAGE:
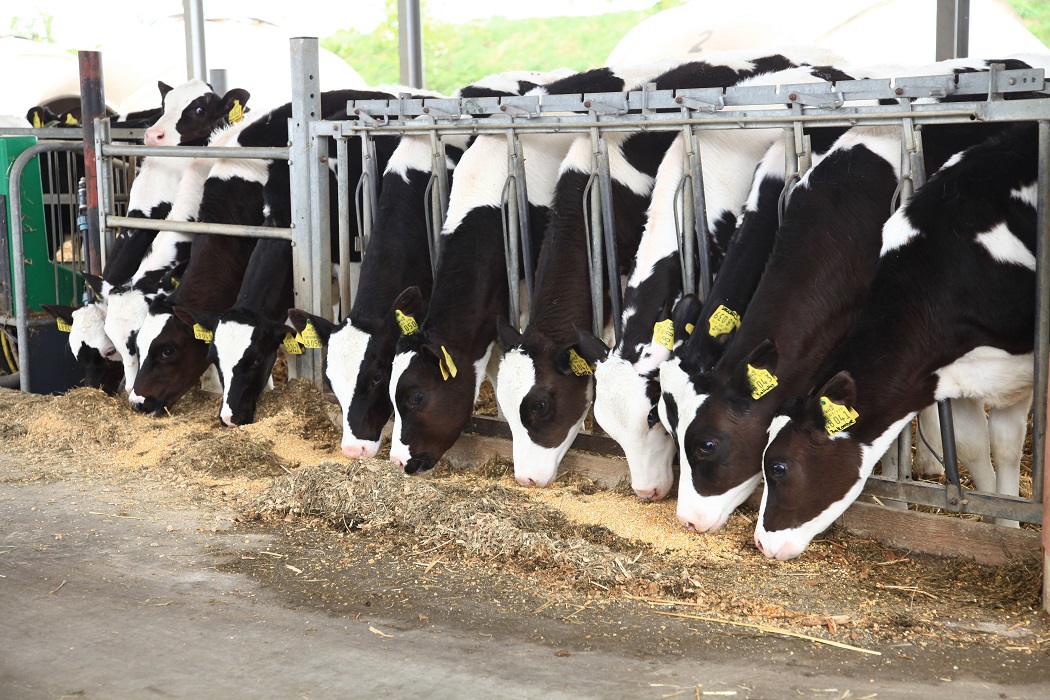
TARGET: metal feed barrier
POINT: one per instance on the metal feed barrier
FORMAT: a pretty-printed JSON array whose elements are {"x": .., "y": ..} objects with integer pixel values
[{"x": 686, "y": 111}]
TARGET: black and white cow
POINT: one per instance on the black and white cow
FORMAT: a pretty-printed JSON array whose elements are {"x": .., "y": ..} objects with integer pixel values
[
  {"x": 191, "y": 113},
  {"x": 951, "y": 314},
  {"x": 810, "y": 295},
  {"x": 237, "y": 191},
  {"x": 152, "y": 195},
  {"x": 544, "y": 399},
  {"x": 361, "y": 348}
]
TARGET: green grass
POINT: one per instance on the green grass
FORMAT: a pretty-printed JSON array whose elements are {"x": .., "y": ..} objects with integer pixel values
[{"x": 458, "y": 54}]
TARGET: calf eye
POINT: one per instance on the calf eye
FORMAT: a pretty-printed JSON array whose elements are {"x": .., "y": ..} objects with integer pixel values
[
  {"x": 257, "y": 363},
  {"x": 539, "y": 408},
  {"x": 377, "y": 379},
  {"x": 707, "y": 446},
  {"x": 415, "y": 398},
  {"x": 778, "y": 470},
  {"x": 167, "y": 352},
  {"x": 200, "y": 111},
  {"x": 111, "y": 352}
]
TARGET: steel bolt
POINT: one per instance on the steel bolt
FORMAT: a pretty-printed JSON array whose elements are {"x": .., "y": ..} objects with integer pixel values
[
  {"x": 503, "y": 108},
  {"x": 1011, "y": 81},
  {"x": 324, "y": 159},
  {"x": 426, "y": 110},
  {"x": 898, "y": 91},
  {"x": 953, "y": 501},
  {"x": 587, "y": 104},
  {"x": 678, "y": 100},
  {"x": 792, "y": 97}
]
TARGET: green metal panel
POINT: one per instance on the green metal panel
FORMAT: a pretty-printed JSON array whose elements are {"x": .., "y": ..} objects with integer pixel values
[{"x": 39, "y": 267}]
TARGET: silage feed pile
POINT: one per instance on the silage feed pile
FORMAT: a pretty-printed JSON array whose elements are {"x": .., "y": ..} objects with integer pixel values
[{"x": 573, "y": 538}]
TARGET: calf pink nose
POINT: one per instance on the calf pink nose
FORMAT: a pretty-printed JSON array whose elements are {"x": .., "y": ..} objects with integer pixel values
[
  {"x": 648, "y": 494},
  {"x": 153, "y": 137},
  {"x": 525, "y": 481},
  {"x": 398, "y": 461},
  {"x": 686, "y": 523},
  {"x": 355, "y": 451}
]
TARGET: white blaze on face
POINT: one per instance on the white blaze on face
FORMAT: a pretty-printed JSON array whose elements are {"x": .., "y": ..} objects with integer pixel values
[
  {"x": 673, "y": 381},
  {"x": 164, "y": 133},
  {"x": 89, "y": 328},
  {"x": 151, "y": 328},
  {"x": 232, "y": 340},
  {"x": 533, "y": 464},
  {"x": 621, "y": 407},
  {"x": 399, "y": 452},
  {"x": 125, "y": 315},
  {"x": 346, "y": 354},
  {"x": 790, "y": 542}
]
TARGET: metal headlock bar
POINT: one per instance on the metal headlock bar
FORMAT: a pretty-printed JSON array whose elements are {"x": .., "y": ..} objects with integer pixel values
[
  {"x": 745, "y": 107},
  {"x": 789, "y": 107}
]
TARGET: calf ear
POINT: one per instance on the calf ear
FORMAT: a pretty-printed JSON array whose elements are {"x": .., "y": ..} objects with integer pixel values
[
  {"x": 95, "y": 282},
  {"x": 685, "y": 313},
  {"x": 763, "y": 359},
  {"x": 299, "y": 318},
  {"x": 64, "y": 313},
  {"x": 408, "y": 302},
  {"x": 164, "y": 88},
  {"x": 509, "y": 336},
  {"x": 236, "y": 96},
  {"x": 842, "y": 389},
  {"x": 590, "y": 347},
  {"x": 191, "y": 317}
]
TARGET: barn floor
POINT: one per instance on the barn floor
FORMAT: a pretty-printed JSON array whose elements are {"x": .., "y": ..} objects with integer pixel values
[{"x": 142, "y": 556}]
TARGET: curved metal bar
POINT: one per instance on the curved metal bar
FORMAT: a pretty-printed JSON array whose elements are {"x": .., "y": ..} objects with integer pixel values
[{"x": 509, "y": 216}]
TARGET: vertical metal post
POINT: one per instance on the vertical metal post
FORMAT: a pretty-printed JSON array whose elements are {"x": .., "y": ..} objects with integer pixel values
[
  {"x": 92, "y": 106},
  {"x": 952, "y": 488},
  {"x": 512, "y": 244},
  {"x": 218, "y": 80},
  {"x": 1040, "y": 454},
  {"x": 524, "y": 216},
  {"x": 953, "y": 29},
  {"x": 104, "y": 187},
  {"x": 592, "y": 211},
  {"x": 345, "y": 244},
  {"x": 703, "y": 238},
  {"x": 612, "y": 260},
  {"x": 193, "y": 22},
  {"x": 410, "y": 42},
  {"x": 306, "y": 107}
]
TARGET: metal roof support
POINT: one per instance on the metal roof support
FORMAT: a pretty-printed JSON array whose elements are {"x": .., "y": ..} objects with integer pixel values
[
  {"x": 193, "y": 21},
  {"x": 410, "y": 42},
  {"x": 953, "y": 29}
]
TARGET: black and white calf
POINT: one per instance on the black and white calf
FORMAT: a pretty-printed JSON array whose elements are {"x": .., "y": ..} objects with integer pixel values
[
  {"x": 192, "y": 111},
  {"x": 361, "y": 349},
  {"x": 809, "y": 297},
  {"x": 153, "y": 193},
  {"x": 438, "y": 369},
  {"x": 951, "y": 314},
  {"x": 238, "y": 191},
  {"x": 543, "y": 398}
]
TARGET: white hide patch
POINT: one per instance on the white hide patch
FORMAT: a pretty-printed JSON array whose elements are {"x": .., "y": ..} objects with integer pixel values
[
  {"x": 231, "y": 341},
  {"x": 510, "y": 80},
  {"x": 1005, "y": 247},
  {"x": 622, "y": 408},
  {"x": 125, "y": 314},
  {"x": 1026, "y": 195},
  {"x": 346, "y": 353},
  {"x": 580, "y": 155},
  {"x": 156, "y": 182},
  {"x": 673, "y": 381},
  {"x": 533, "y": 464},
  {"x": 151, "y": 328},
  {"x": 897, "y": 232},
  {"x": 399, "y": 452},
  {"x": 996, "y": 376},
  {"x": 89, "y": 328},
  {"x": 175, "y": 102}
]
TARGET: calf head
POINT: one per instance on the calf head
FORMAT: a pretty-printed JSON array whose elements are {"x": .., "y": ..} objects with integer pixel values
[
  {"x": 812, "y": 472},
  {"x": 626, "y": 395},
  {"x": 544, "y": 390},
  {"x": 673, "y": 379},
  {"x": 720, "y": 447},
  {"x": 191, "y": 112},
  {"x": 173, "y": 359},
  {"x": 360, "y": 356},
  {"x": 433, "y": 388},
  {"x": 244, "y": 350},
  {"x": 92, "y": 348}
]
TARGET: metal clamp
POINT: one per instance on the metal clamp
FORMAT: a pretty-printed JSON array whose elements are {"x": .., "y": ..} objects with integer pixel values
[
  {"x": 693, "y": 104},
  {"x": 369, "y": 120},
  {"x": 596, "y": 107},
  {"x": 801, "y": 98}
]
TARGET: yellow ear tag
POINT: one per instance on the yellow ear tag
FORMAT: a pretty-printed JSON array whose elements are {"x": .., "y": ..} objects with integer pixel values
[
  {"x": 448, "y": 367},
  {"x": 236, "y": 112},
  {"x": 37, "y": 123},
  {"x": 309, "y": 337},
  {"x": 723, "y": 320},
  {"x": 689, "y": 328},
  {"x": 578, "y": 365},
  {"x": 663, "y": 334},
  {"x": 407, "y": 323},
  {"x": 202, "y": 333},
  {"x": 837, "y": 417},
  {"x": 71, "y": 120},
  {"x": 174, "y": 282},
  {"x": 63, "y": 326},
  {"x": 762, "y": 381},
  {"x": 291, "y": 345}
]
